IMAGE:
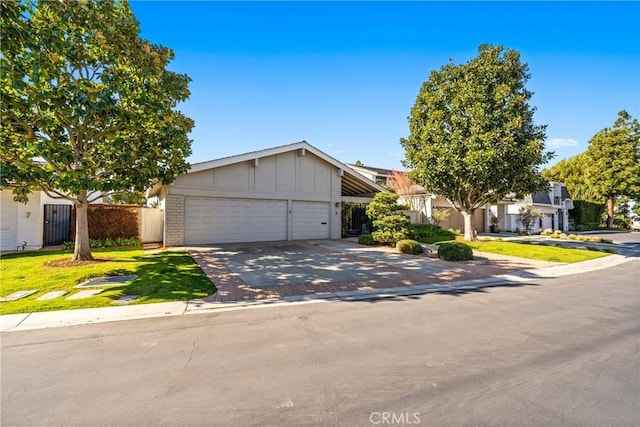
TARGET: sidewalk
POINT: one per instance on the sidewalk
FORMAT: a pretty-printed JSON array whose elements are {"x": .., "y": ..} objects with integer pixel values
[{"x": 41, "y": 320}]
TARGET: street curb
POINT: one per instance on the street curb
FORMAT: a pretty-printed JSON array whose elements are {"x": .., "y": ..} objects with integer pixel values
[{"x": 52, "y": 319}]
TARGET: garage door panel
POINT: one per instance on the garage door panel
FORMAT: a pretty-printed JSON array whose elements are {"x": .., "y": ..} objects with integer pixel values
[
  {"x": 227, "y": 220},
  {"x": 8, "y": 221},
  {"x": 310, "y": 220}
]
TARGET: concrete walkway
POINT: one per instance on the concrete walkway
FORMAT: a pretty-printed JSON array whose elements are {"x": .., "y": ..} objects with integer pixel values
[{"x": 29, "y": 321}]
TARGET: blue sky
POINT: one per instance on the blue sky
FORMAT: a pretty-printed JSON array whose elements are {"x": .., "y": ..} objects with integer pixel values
[{"x": 344, "y": 76}]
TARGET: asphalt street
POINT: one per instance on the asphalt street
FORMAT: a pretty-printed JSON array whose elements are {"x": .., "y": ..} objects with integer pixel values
[{"x": 556, "y": 352}]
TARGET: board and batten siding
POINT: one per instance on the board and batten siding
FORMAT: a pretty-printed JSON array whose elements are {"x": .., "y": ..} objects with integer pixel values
[{"x": 287, "y": 176}]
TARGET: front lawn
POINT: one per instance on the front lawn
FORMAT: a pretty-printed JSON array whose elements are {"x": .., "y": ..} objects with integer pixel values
[
  {"x": 536, "y": 251},
  {"x": 163, "y": 276}
]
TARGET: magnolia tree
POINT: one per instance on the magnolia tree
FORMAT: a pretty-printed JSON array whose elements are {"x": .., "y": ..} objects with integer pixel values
[
  {"x": 472, "y": 138},
  {"x": 88, "y": 106}
]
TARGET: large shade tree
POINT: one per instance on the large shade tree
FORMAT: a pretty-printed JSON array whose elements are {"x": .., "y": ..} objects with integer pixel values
[
  {"x": 613, "y": 162},
  {"x": 88, "y": 106},
  {"x": 472, "y": 138},
  {"x": 571, "y": 172}
]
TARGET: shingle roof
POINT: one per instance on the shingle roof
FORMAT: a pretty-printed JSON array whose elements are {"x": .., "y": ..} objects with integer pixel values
[{"x": 541, "y": 198}]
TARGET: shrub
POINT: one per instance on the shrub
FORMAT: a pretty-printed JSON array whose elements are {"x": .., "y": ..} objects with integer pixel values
[
  {"x": 609, "y": 250},
  {"x": 563, "y": 236},
  {"x": 455, "y": 251},
  {"x": 573, "y": 237},
  {"x": 547, "y": 232},
  {"x": 389, "y": 224},
  {"x": 596, "y": 239},
  {"x": 391, "y": 229},
  {"x": 592, "y": 248},
  {"x": 96, "y": 243},
  {"x": 583, "y": 238},
  {"x": 68, "y": 245},
  {"x": 387, "y": 237},
  {"x": 366, "y": 239},
  {"x": 606, "y": 240},
  {"x": 429, "y": 233},
  {"x": 409, "y": 247}
]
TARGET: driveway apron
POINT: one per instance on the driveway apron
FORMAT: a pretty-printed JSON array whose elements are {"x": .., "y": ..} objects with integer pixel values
[{"x": 245, "y": 272}]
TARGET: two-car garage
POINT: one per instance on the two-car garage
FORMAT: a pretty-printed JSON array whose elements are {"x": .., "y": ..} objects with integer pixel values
[
  {"x": 231, "y": 220},
  {"x": 291, "y": 192}
]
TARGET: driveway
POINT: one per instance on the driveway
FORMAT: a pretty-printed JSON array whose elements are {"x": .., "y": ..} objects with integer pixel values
[{"x": 244, "y": 272}]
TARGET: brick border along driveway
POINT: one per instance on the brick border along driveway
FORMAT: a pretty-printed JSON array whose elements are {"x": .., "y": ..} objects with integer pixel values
[{"x": 386, "y": 267}]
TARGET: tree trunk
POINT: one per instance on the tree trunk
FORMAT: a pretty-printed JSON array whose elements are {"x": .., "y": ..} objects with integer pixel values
[
  {"x": 610, "y": 210},
  {"x": 469, "y": 226},
  {"x": 82, "y": 250}
]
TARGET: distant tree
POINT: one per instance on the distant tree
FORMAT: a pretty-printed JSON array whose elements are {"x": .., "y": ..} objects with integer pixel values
[
  {"x": 438, "y": 216},
  {"x": 90, "y": 100},
  {"x": 472, "y": 138},
  {"x": 571, "y": 172},
  {"x": 129, "y": 198},
  {"x": 527, "y": 215},
  {"x": 405, "y": 187},
  {"x": 358, "y": 163},
  {"x": 613, "y": 160}
]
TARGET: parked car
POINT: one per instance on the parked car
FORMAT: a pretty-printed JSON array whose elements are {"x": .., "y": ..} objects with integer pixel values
[{"x": 635, "y": 224}]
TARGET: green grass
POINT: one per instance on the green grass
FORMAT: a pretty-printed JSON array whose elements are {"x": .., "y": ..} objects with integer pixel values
[
  {"x": 163, "y": 276},
  {"x": 435, "y": 239},
  {"x": 535, "y": 251}
]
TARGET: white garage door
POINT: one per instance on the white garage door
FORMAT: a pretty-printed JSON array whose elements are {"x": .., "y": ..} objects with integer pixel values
[
  {"x": 222, "y": 220},
  {"x": 310, "y": 220},
  {"x": 8, "y": 221}
]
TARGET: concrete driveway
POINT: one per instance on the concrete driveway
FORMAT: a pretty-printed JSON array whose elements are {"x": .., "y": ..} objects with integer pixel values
[{"x": 244, "y": 272}]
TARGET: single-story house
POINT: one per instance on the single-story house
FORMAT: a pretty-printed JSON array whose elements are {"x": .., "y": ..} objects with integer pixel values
[
  {"x": 42, "y": 221},
  {"x": 290, "y": 192}
]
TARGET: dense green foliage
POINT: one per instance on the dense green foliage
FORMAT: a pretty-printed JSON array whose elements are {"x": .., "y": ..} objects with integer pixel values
[
  {"x": 472, "y": 137},
  {"x": 430, "y": 233},
  {"x": 389, "y": 224},
  {"x": 571, "y": 172},
  {"x": 366, "y": 239},
  {"x": 586, "y": 215},
  {"x": 407, "y": 246},
  {"x": 90, "y": 100},
  {"x": 614, "y": 162},
  {"x": 608, "y": 169},
  {"x": 455, "y": 251}
]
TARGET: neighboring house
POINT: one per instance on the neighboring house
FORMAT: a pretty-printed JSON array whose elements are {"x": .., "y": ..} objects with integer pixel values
[
  {"x": 554, "y": 204},
  {"x": 42, "y": 221},
  {"x": 289, "y": 192},
  {"x": 377, "y": 175},
  {"x": 423, "y": 203}
]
